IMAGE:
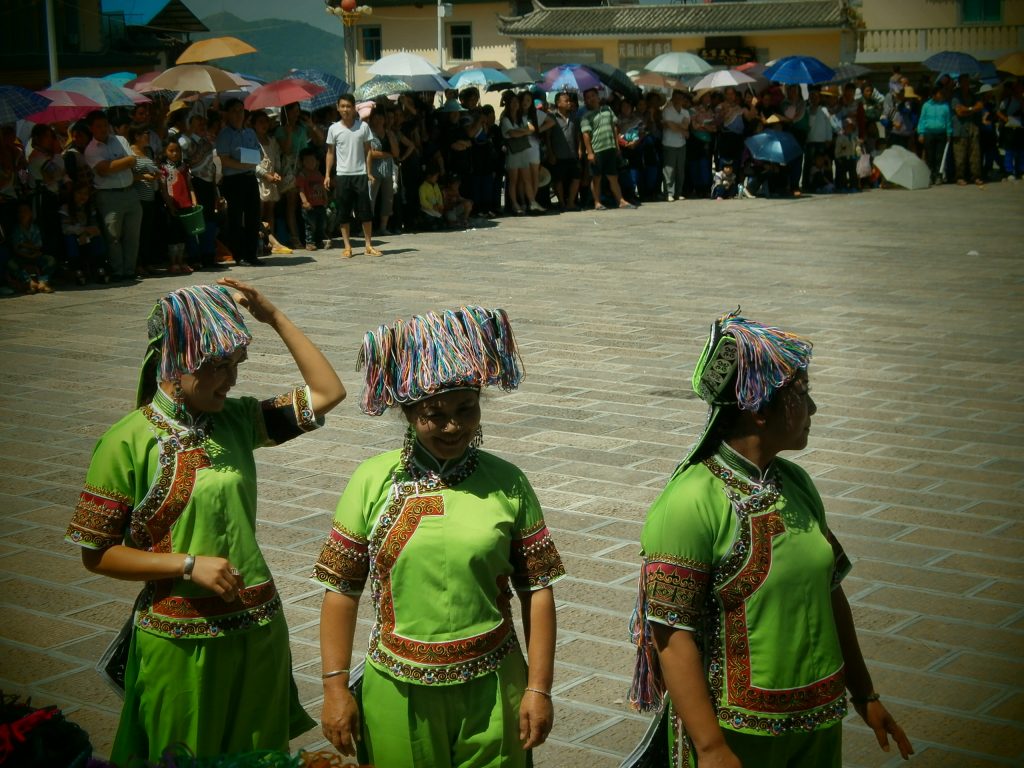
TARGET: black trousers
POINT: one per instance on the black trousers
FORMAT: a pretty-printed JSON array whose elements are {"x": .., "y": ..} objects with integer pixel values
[{"x": 243, "y": 215}]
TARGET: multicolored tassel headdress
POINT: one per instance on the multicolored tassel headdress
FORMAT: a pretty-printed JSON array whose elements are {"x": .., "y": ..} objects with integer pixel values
[
  {"x": 186, "y": 328},
  {"x": 744, "y": 363},
  {"x": 432, "y": 353}
]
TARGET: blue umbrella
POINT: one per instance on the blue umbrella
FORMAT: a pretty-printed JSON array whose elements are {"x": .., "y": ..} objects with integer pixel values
[
  {"x": 483, "y": 78},
  {"x": 570, "y": 77},
  {"x": 333, "y": 86},
  {"x": 793, "y": 70},
  {"x": 17, "y": 102},
  {"x": 774, "y": 147},
  {"x": 120, "y": 78},
  {"x": 953, "y": 61}
]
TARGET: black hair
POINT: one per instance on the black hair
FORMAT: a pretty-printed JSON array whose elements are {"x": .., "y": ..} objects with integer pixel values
[
  {"x": 231, "y": 103},
  {"x": 92, "y": 117},
  {"x": 347, "y": 97}
]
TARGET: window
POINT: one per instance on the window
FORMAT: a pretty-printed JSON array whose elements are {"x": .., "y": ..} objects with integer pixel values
[
  {"x": 369, "y": 43},
  {"x": 461, "y": 47},
  {"x": 981, "y": 11}
]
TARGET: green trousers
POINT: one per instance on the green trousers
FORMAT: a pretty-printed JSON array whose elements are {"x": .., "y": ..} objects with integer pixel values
[
  {"x": 468, "y": 725},
  {"x": 822, "y": 748}
]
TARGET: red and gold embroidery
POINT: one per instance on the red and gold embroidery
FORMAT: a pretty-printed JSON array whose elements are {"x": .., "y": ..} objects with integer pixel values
[
  {"x": 344, "y": 561},
  {"x": 535, "y": 560},
  {"x": 675, "y": 589},
  {"x": 168, "y": 606},
  {"x": 100, "y": 518}
]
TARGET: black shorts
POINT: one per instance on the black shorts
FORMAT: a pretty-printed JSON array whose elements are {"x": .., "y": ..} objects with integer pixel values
[
  {"x": 352, "y": 196},
  {"x": 606, "y": 163}
]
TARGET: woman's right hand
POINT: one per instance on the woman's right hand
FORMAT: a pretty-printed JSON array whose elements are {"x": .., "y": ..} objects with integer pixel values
[
  {"x": 219, "y": 576},
  {"x": 339, "y": 719}
]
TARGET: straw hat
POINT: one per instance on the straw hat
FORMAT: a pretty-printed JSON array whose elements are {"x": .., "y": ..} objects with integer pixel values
[{"x": 910, "y": 93}]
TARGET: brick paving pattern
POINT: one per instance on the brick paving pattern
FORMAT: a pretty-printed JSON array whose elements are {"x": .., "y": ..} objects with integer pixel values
[{"x": 913, "y": 300}]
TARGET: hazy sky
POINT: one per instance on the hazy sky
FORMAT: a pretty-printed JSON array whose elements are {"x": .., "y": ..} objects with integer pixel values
[{"x": 308, "y": 11}]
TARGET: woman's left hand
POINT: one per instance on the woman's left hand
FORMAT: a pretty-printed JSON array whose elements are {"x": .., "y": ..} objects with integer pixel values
[
  {"x": 883, "y": 724},
  {"x": 536, "y": 716},
  {"x": 259, "y": 306}
]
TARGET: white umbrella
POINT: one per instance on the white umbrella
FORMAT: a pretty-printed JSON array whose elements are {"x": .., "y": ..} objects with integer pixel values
[
  {"x": 678, "y": 64},
  {"x": 904, "y": 168},
  {"x": 402, "y": 65},
  {"x": 723, "y": 78}
]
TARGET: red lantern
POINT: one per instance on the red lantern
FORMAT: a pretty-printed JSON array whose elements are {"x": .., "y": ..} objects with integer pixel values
[{"x": 348, "y": 5}]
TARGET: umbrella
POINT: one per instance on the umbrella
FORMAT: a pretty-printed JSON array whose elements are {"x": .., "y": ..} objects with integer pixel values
[
  {"x": 794, "y": 70},
  {"x": 655, "y": 80},
  {"x": 17, "y": 102},
  {"x": 214, "y": 48},
  {"x": 1012, "y": 63},
  {"x": 570, "y": 77},
  {"x": 202, "y": 78},
  {"x": 524, "y": 75},
  {"x": 846, "y": 72},
  {"x": 402, "y": 65},
  {"x": 483, "y": 78},
  {"x": 773, "y": 147},
  {"x": 903, "y": 167},
  {"x": 103, "y": 93},
  {"x": 120, "y": 78},
  {"x": 333, "y": 86},
  {"x": 476, "y": 65},
  {"x": 678, "y": 64},
  {"x": 953, "y": 61},
  {"x": 382, "y": 85},
  {"x": 63, "y": 106},
  {"x": 723, "y": 78},
  {"x": 615, "y": 79},
  {"x": 281, "y": 92}
]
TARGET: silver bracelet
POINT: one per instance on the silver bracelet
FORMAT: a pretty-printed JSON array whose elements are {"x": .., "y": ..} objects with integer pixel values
[
  {"x": 538, "y": 690},
  {"x": 186, "y": 569},
  {"x": 334, "y": 673}
]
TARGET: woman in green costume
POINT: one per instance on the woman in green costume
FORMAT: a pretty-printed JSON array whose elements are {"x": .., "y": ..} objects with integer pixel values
[
  {"x": 741, "y": 615},
  {"x": 444, "y": 533},
  {"x": 170, "y": 500}
]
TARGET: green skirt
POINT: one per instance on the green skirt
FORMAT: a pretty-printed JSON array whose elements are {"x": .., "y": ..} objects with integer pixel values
[{"x": 219, "y": 696}]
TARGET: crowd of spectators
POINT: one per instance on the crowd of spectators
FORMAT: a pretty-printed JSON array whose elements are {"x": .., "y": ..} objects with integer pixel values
[{"x": 116, "y": 196}]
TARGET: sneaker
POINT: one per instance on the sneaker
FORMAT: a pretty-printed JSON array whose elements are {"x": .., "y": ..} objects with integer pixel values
[
  {"x": 670, "y": 199},
  {"x": 537, "y": 207}
]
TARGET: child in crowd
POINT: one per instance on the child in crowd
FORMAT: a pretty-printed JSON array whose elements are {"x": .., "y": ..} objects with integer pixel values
[
  {"x": 456, "y": 207},
  {"x": 431, "y": 199},
  {"x": 176, "y": 189},
  {"x": 30, "y": 268},
  {"x": 821, "y": 180},
  {"x": 83, "y": 240},
  {"x": 847, "y": 151},
  {"x": 724, "y": 183},
  {"x": 313, "y": 199}
]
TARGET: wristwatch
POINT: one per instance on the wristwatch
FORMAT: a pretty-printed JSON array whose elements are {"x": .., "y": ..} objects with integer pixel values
[{"x": 186, "y": 571}]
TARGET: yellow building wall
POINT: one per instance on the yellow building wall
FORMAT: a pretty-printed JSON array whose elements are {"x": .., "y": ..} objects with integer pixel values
[
  {"x": 822, "y": 45},
  {"x": 414, "y": 29},
  {"x": 910, "y": 14}
]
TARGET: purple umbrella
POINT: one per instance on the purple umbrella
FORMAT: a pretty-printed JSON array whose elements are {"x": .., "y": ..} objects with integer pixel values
[{"x": 570, "y": 77}]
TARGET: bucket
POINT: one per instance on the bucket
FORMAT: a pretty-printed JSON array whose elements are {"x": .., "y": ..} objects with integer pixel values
[{"x": 193, "y": 221}]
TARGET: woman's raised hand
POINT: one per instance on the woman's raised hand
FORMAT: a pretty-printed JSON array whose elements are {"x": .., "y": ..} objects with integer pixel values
[{"x": 259, "y": 306}]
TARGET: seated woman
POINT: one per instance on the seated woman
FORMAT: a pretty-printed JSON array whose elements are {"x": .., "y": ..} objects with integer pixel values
[
  {"x": 443, "y": 532},
  {"x": 741, "y": 595}
]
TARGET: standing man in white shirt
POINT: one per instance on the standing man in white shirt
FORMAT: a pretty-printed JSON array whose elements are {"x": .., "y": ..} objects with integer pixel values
[
  {"x": 348, "y": 146},
  {"x": 113, "y": 165},
  {"x": 675, "y": 119}
]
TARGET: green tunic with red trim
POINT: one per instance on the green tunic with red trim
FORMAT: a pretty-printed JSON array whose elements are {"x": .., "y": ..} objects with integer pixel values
[
  {"x": 442, "y": 560},
  {"x": 747, "y": 562},
  {"x": 162, "y": 485}
]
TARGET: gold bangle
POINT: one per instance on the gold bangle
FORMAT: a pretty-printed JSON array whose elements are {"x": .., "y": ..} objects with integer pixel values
[
  {"x": 334, "y": 673},
  {"x": 538, "y": 690}
]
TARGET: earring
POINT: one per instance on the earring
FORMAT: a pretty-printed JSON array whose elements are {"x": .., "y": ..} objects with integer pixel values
[
  {"x": 478, "y": 437},
  {"x": 180, "y": 411}
]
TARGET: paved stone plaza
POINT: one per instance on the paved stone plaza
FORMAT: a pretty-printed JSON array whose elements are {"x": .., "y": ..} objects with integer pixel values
[{"x": 913, "y": 300}]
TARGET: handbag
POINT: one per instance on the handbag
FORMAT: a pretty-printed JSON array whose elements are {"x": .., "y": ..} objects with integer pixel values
[
  {"x": 114, "y": 661},
  {"x": 517, "y": 143}
]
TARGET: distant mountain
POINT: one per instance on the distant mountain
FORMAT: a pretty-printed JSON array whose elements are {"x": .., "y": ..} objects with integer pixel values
[{"x": 281, "y": 44}]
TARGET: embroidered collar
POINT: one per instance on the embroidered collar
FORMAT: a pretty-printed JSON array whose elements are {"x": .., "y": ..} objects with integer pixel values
[
  {"x": 743, "y": 466},
  {"x": 425, "y": 472},
  {"x": 189, "y": 430}
]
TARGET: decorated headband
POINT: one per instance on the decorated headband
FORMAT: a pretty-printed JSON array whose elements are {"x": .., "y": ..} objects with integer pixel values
[
  {"x": 186, "y": 328},
  {"x": 411, "y": 360},
  {"x": 758, "y": 358}
]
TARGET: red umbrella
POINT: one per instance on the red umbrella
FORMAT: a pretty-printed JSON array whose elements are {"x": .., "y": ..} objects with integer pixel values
[
  {"x": 282, "y": 92},
  {"x": 64, "y": 106}
]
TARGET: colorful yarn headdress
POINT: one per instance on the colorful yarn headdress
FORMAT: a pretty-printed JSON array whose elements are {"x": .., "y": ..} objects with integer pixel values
[
  {"x": 186, "y": 328},
  {"x": 408, "y": 361},
  {"x": 744, "y": 363}
]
